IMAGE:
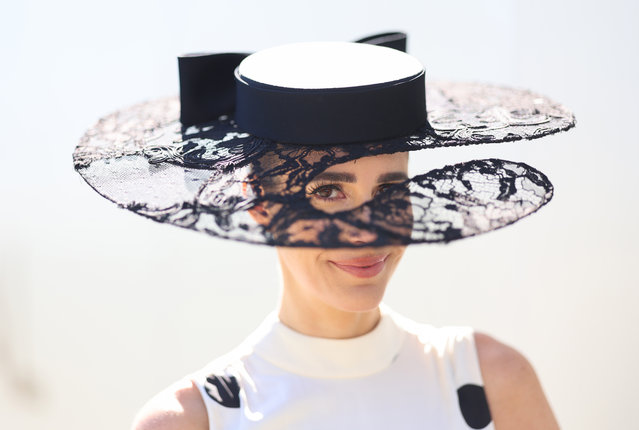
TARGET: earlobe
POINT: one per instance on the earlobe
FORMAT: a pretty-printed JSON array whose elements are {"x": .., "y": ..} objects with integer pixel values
[{"x": 260, "y": 214}]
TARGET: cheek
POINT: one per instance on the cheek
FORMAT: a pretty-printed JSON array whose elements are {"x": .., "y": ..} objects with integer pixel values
[
  {"x": 318, "y": 275},
  {"x": 304, "y": 265},
  {"x": 316, "y": 278},
  {"x": 398, "y": 253}
]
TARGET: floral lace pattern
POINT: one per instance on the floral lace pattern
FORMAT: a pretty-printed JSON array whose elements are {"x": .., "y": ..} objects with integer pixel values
[{"x": 211, "y": 177}]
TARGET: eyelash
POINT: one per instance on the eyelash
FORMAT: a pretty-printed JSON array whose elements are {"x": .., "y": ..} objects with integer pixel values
[{"x": 316, "y": 188}]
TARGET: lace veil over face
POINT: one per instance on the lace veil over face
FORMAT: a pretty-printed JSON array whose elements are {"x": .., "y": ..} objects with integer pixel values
[{"x": 215, "y": 176}]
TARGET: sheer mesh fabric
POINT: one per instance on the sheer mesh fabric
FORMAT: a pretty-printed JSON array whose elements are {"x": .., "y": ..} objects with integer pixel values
[{"x": 213, "y": 177}]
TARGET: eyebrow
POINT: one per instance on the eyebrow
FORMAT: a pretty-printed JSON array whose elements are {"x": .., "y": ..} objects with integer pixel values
[
  {"x": 392, "y": 176},
  {"x": 335, "y": 177},
  {"x": 350, "y": 178}
]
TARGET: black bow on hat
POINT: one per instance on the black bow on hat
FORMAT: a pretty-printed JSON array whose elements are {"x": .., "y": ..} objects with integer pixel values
[{"x": 239, "y": 144}]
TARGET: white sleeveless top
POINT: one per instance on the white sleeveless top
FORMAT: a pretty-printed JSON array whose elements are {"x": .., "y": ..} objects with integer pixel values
[{"x": 401, "y": 375}]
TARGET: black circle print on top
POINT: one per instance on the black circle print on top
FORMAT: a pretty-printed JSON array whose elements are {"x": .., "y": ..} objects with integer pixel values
[
  {"x": 226, "y": 391},
  {"x": 474, "y": 406}
]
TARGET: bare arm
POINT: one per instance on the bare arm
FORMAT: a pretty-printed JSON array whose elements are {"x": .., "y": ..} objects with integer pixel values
[
  {"x": 179, "y": 407},
  {"x": 515, "y": 396}
]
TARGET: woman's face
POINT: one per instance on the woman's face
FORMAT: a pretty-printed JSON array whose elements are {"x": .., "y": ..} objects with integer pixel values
[{"x": 346, "y": 279}]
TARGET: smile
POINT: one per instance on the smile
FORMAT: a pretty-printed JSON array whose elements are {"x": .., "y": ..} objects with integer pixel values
[{"x": 362, "y": 267}]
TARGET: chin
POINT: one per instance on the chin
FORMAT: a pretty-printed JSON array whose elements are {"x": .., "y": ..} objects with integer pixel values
[
  {"x": 359, "y": 297},
  {"x": 358, "y": 281}
]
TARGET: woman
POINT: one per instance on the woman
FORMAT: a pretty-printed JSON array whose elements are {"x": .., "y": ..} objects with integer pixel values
[
  {"x": 335, "y": 294},
  {"x": 340, "y": 216}
]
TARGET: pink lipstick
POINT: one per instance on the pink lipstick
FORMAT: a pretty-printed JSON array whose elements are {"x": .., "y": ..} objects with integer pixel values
[{"x": 362, "y": 267}]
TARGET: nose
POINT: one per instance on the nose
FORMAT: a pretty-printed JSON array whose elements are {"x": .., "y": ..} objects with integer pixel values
[{"x": 359, "y": 236}]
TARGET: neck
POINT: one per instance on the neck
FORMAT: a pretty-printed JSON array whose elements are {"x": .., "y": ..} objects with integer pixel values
[
  {"x": 324, "y": 321},
  {"x": 312, "y": 304}
]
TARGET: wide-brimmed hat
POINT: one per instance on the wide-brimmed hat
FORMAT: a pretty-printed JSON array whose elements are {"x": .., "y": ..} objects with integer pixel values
[{"x": 235, "y": 154}]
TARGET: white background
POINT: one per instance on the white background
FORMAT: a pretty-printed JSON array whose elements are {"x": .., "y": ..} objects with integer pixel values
[{"x": 100, "y": 308}]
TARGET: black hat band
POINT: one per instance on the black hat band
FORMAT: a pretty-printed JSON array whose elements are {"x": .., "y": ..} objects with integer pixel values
[{"x": 331, "y": 115}]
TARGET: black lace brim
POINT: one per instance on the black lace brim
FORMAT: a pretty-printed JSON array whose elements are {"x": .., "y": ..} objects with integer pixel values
[{"x": 142, "y": 160}]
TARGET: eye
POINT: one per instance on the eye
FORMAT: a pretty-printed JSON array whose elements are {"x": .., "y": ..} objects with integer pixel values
[
  {"x": 326, "y": 192},
  {"x": 384, "y": 187}
]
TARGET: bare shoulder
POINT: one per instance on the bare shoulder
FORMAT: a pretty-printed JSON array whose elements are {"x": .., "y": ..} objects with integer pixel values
[
  {"x": 514, "y": 394},
  {"x": 179, "y": 407}
]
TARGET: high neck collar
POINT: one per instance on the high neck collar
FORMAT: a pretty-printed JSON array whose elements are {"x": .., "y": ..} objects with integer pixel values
[{"x": 328, "y": 358}]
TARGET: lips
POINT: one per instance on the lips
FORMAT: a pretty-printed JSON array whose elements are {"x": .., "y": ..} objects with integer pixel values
[{"x": 362, "y": 267}]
